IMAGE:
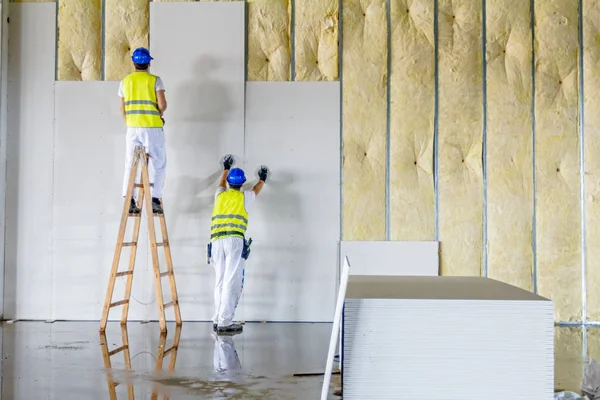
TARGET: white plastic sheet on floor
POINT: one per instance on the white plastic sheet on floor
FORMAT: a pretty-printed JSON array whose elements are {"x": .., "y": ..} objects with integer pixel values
[{"x": 446, "y": 338}]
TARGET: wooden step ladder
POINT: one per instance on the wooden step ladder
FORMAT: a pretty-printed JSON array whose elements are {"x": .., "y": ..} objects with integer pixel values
[
  {"x": 163, "y": 351},
  {"x": 144, "y": 196}
]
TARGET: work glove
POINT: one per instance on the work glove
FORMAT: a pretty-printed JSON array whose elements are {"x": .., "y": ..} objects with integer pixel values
[
  {"x": 263, "y": 173},
  {"x": 227, "y": 162}
]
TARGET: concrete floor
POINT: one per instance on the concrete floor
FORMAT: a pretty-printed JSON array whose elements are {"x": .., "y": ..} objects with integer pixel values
[{"x": 66, "y": 360}]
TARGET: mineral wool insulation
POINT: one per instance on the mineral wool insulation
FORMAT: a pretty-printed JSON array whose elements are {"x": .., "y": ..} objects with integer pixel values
[
  {"x": 509, "y": 142},
  {"x": 364, "y": 119},
  {"x": 316, "y": 40},
  {"x": 591, "y": 59},
  {"x": 460, "y": 137},
  {"x": 269, "y": 40},
  {"x": 412, "y": 97},
  {"x": 79, "y": 40},
  {"x": 557, "y": 160},
  {"x": 126, "y": 28}
]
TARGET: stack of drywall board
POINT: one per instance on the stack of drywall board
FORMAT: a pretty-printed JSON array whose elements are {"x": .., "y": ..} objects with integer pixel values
[{"x": 467, "y": 338}]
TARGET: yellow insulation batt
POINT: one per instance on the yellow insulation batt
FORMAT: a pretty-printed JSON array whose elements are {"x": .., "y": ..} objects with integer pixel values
[
  {"x": 126, "y": 28},
  {"x": 591, "y": 62},
  {"x": 268, "y": 40},
  {"x": 460, "y": 137},
  {"x": 364, "y": 119},
  {"x": 316, "y": 40},
  {"x": 568, "y": 352},
  {"x": 509, "y": 142},
  {"x": 79, "y": 40},
  {"x": 558, "y": 205},
  {"x": 412, "y": 94}
]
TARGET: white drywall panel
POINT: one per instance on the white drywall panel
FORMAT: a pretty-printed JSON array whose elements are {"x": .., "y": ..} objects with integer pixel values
[
  {"x": 198, "y": 50},
  {"x": 391, "y": 258},
  {"x": 31, "y": 61},
  {"x": 89, "y": 163},
  {"x": 293, "y": 128},
  {"x": 3, "y": 135}
]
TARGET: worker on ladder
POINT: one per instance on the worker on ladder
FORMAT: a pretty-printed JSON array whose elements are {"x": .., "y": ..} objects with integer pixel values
[
  {"x": 228, "y": 247},
  {"x": 143, "y": 104}
]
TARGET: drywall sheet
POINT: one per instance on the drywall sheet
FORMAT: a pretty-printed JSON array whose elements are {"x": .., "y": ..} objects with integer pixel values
[
  {"x": 269, "y": 40},
  {"x": 509, "y": 142},
  {"x": 568, "y": 352},
  {"x": 79, "y": 40},
  {"x": 28, "y": 263},
  {"x": 460, "y": 137},
  {"x": 391, "y": 258},
  {"x": 125, "y": 29},
  {"x": 316, "y": 40},
  {"x": 293, "y": 128},
  {"x": 591, "y": 77},
  {"x": 198, "y": 50},
  {"x": 557, "y": 160},
  {"x": 412, "y": 96},
  {"x": 89, "y": 164},
  {"x": 364, "y": 119}
]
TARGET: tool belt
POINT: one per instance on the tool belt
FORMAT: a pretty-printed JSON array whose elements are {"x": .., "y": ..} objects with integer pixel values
[{"x": 245, "y": 250}]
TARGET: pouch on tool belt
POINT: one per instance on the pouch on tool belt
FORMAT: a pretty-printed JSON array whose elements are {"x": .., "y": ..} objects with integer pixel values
[
  {"x": 246, "y": 249},
  {"x": 208, "y": 252}
]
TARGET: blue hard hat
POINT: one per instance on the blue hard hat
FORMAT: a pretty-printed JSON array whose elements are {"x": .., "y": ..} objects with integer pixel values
[
  {"x": 141, "y": 56},
  {"x": 236, "y": 177}
]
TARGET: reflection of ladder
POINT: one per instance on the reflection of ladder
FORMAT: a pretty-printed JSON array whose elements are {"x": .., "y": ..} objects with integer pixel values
[
  {"x": 162, "y": 352},
  {"x": 145, "y": 196}
]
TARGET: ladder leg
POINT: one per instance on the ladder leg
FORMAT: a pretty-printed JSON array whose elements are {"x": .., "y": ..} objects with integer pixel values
[
  {"x": 153, "y": 249},
  {"x": 132, "y": 256},
  {"x": 167, "y": 247},
  {"x": 106, "y": 356},
  {"x": 121, "y": 235},
  {"x": 127, "y": 359}
]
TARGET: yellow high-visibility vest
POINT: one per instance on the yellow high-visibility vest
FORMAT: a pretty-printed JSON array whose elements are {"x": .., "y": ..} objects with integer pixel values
[
  {"x": 229, "y": 217},
  {"x": 141, "y": 105}
]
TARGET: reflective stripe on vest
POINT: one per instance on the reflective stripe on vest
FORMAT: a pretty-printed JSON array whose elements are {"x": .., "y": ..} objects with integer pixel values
[
  {"x": 141, "y": 105},
  {"x": 229, "y": 217}
]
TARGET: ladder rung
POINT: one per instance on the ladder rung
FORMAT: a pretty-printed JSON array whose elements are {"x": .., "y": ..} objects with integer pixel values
[
  {"x": 168, "y": 350},
  {"x": 124, "y": 273},
  {"x": 119, "y": 303},
  {"x": 170, "y": 304},
  {"x": 139, "y": 185},
  {"x": 135, "y": 215},
  {"x": 163, "y": 274},
  {"x": 129, "y": 244},
  {"x": 115, "y": 351},
  {"x": 162, "y": 244}
]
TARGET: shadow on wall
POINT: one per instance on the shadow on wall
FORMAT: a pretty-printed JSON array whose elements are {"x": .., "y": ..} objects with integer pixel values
[
  {"x": 278, "y": 258},
  {"x": 203, "y": 108}
]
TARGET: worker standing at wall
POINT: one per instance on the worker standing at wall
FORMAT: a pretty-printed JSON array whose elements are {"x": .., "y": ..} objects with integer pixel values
[
  {"x": 228, "y": 246},
  {"x": 143, "y": 104}
]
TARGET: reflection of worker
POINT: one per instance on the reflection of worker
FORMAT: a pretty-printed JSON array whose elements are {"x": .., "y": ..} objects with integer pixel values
[
  {"x": 226, "y": 361},
  {"x": 143, "y": 103},
  {"x": 228, "y": 228}
]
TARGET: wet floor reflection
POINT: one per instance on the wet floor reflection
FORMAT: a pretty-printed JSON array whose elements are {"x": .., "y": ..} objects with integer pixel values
[{"x": 71, "y": 360}]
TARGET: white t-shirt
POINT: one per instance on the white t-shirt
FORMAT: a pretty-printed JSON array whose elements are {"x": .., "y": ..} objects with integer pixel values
[
  {"x": 249, "y": 196},
  {"x": 157, "y": 86}
]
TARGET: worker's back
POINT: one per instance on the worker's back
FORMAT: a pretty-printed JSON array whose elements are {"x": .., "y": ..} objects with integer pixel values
[
  {"x": 141, "y": 103},
  {"x": 229, "y": 217}
]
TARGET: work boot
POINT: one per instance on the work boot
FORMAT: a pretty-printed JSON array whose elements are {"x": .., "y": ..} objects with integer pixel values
[
  {"x": 230, "y": 328},
  {"x": 156, "y": 207},
  {"x": 133, "y": 208}
]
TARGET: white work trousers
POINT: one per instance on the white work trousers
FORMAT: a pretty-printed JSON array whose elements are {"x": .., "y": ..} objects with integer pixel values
[
  {"x": 226, "y": 257},
  {"x": 153, "y": 141}
]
